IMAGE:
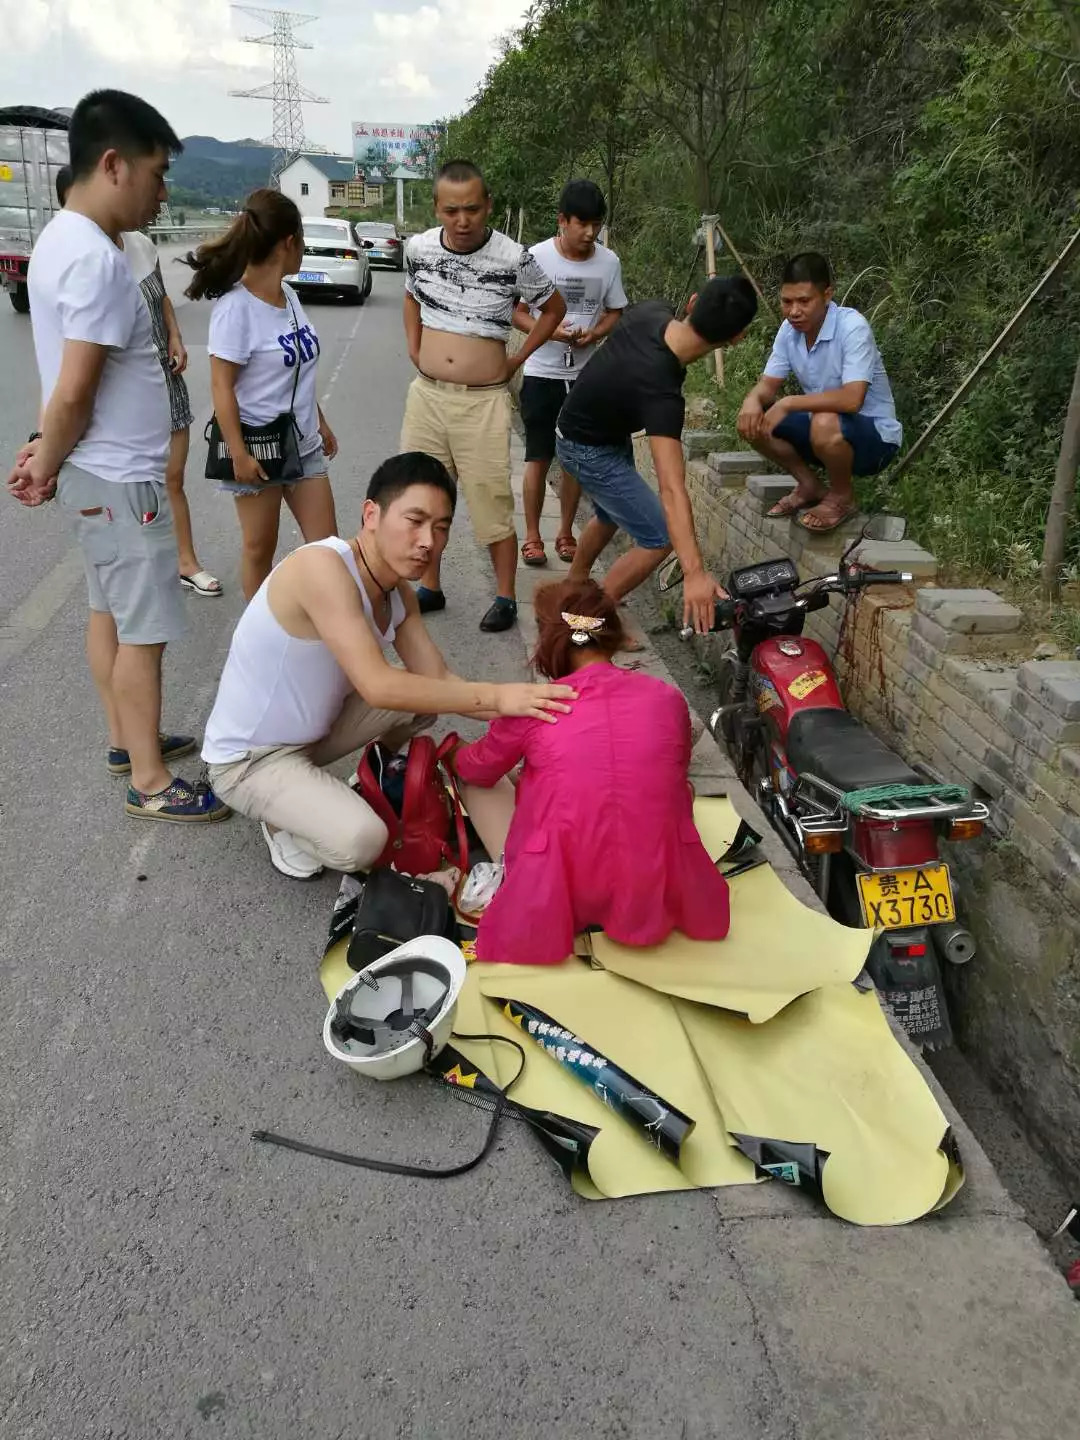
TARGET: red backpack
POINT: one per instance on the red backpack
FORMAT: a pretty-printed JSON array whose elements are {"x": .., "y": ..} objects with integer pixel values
[{"x": 431, "y": 827}]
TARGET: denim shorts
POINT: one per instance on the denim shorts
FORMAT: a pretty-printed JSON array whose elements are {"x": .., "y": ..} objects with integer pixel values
[
  {"x": 314, "y": 463},
  {"x": 871, "y": 452},
  {"x": 619, "y": 495}
]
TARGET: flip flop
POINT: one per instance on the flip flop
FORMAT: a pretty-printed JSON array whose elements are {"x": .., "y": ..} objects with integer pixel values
[
  {"x": 566, "y": 548},
  {"x": 791, "y": 505},
  {"x": 830, "y": 524},
  {"x": 533, "y": 553},
  {"x": 202, "y": 583}
]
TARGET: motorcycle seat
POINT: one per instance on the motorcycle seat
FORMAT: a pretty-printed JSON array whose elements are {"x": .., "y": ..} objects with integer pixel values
[{"x": 840, "y": 750}]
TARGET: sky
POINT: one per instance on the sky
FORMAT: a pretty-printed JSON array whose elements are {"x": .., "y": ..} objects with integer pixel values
[{"x": 393, "y": 60}]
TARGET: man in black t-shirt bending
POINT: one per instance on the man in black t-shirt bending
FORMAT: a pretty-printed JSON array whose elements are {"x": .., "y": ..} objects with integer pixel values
[{"x": 634, "y": 382}]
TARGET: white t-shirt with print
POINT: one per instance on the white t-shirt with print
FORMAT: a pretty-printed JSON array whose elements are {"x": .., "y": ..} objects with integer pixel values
[
  {"x": 82, "y": 288},
  {"x": 472, "y": 294},
  {"x": 589, "y": 287},
  {"x": 266, "y": 342}
]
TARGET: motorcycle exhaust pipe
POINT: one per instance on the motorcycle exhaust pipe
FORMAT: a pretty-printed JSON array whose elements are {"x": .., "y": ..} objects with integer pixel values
[{"x": 955, "y": 944}]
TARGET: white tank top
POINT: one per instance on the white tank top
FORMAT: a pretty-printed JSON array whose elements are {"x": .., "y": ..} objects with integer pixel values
[{"x": 276, "y": 689}]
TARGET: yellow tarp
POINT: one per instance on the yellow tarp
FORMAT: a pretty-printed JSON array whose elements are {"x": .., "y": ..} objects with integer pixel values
[
  {"x": 777, "y": 948},
  {"x": 761, "y": 1035}
]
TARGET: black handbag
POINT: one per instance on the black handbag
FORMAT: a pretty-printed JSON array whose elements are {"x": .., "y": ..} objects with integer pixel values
[
  {"x": 394, "y": 909},
  {"x": 275, "y": 446}
]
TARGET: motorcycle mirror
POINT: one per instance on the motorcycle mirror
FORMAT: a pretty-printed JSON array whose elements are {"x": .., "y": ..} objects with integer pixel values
[
  {"x": 890, "y": 528},
  {"x": 669, "y": 576}
]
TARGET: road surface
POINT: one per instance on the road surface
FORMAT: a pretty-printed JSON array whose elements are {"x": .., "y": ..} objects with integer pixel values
[{"x": 162, "y": 1276}]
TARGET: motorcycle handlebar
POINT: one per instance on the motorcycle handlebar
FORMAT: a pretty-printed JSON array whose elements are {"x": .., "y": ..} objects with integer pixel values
[
  {"x": 724, "y": 613},
  {"x": 883, "y": 577}
]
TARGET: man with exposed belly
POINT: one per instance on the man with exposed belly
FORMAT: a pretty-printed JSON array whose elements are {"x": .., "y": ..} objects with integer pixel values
[{"x": 462, "y": 282}]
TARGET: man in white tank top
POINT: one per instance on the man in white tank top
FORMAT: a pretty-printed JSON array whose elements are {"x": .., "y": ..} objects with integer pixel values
[{"x": 307, "y": 680}]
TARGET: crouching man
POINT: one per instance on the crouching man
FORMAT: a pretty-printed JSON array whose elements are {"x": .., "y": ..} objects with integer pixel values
[{"x": 307, "y": 680}]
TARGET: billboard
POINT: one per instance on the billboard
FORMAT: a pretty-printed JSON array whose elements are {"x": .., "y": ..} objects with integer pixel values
[{"x": 386, "y": 144}]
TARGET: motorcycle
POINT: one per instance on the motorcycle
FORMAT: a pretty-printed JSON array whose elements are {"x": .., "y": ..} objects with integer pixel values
[{"x": 864, "y": 826}]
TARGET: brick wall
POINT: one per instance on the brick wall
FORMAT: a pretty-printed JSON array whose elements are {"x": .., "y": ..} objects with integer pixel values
[{"x": 941, "y": 674}]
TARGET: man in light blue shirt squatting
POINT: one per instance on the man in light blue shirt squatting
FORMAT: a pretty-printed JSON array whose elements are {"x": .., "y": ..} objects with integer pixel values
[{"x": 844, "y": 421}]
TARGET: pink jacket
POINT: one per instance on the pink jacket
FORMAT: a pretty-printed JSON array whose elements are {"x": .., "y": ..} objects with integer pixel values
[{"x": 603, "y": 831}]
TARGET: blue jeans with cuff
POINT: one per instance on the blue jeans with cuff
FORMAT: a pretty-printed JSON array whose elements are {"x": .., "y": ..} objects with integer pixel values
[{"x": 619, "y": 495}]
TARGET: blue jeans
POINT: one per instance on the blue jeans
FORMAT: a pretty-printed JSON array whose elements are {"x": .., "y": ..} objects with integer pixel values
[
  {"x": 871, "y": 453},
  {"x": 619, "y": 495}
]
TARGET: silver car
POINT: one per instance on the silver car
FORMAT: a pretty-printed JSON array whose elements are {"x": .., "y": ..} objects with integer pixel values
[
  {"x": 381, "y": 243},
  {"x": 334, "y": 262}
]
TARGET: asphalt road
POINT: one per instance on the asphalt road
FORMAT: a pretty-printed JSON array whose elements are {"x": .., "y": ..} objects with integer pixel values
[{"x": 163, "y": 1276}]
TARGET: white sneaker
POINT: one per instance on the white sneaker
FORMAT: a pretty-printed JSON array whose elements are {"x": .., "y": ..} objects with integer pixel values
[{"x": 287, "y": 855}]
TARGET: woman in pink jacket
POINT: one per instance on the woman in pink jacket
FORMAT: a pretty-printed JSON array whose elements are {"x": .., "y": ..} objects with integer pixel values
[{"x": 603, "y": 831}]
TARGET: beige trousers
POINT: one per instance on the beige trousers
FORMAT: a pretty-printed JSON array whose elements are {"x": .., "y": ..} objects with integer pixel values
[{"x": 287, "y": 787}]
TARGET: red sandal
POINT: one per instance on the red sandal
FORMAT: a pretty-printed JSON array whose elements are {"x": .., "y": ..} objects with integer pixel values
[
  {"x": 533, "y": 552},
  {"x": 566, "y": 548}
]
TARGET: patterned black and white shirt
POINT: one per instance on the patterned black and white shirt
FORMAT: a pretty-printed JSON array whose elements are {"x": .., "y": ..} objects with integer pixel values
[{"x": 472, "y": 294}]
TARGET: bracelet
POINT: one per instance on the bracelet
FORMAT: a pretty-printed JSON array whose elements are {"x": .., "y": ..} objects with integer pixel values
[{"x": 34, "y": 435}]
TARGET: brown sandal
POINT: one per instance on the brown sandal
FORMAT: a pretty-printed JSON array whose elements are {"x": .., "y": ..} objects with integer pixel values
[
  {"x": 566, "y": 548},
  {"x": 792, "y": 504},
  {"x": 533, "y": 552},
  {"x": 827, "y": 516}
]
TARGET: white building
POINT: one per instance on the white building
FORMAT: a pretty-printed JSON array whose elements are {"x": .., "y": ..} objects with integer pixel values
[{"x": 317, "y": 183}]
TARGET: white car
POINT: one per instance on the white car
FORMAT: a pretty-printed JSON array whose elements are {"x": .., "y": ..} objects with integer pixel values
[{"x": 334, "y": 263}]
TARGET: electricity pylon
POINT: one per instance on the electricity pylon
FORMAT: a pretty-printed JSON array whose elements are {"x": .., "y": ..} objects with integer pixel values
[{"x": 285, "y": 89}]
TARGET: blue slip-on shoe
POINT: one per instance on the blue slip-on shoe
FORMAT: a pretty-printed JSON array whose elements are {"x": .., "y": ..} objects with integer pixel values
[
  {"x": 172, "y": 748},
  {"x": 181, "y": 801}
]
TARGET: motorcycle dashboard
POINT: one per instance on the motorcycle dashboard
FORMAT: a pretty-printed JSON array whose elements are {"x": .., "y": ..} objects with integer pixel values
[{"x": 761, "y": 579}]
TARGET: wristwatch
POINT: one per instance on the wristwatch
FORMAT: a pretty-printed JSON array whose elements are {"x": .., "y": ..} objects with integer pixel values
[{"x": 34, "y": 435}]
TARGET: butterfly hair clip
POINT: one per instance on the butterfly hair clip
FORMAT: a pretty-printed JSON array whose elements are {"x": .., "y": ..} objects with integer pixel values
[{"x": 582, "y": 627}]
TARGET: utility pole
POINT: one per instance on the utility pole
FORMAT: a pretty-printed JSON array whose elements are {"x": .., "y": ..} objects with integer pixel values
[{"x": 285, "y": 90}]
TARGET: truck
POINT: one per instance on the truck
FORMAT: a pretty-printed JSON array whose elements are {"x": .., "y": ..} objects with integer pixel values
[{"x": 33, "y": 147}]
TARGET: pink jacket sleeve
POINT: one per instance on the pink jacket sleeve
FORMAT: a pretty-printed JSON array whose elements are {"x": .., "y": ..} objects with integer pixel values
[{"x": 494, "y": 755}]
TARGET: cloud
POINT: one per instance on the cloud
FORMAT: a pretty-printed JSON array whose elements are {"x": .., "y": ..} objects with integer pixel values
[
  {"x": 404, "y": 60},
  {"x": 406, "y": 78}
]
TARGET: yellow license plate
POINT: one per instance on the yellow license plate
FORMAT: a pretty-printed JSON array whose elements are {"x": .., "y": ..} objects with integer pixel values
[{"x": 903, "y": 899}]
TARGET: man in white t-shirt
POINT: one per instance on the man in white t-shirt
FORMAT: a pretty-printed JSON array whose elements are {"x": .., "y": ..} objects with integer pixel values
[
  {"x": 589, "y": 278},
  {"x": 105, "y": 436}
]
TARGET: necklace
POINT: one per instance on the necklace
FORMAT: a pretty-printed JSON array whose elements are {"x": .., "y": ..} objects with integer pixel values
[{"x": 383, "y": 591}]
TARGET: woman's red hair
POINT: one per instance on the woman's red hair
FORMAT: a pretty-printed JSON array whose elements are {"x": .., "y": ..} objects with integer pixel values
[{"x": 555, "y": 648}]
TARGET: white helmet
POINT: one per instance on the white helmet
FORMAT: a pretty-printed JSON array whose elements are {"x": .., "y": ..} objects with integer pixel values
[{"x": 397, "y": 1013}]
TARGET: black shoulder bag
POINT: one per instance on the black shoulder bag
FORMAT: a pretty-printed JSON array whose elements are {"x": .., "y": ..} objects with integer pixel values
[{"x": 275, "y": 446}]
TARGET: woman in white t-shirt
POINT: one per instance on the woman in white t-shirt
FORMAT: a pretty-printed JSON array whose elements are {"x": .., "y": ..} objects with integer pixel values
[{"x": 259, "y": 335}]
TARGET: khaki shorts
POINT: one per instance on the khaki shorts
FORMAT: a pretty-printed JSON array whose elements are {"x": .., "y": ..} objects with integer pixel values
[
  {"x": 286, "y": 786},
  {"x": 125, "y": 532},
  {"x": 468, "y": 429}
]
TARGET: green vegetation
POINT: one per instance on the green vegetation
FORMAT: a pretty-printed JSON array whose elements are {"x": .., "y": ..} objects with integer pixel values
[{"x": 930, "y": 150}]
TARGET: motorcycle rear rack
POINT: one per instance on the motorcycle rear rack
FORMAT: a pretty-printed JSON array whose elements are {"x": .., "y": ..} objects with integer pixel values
[{"x": 890, "y": 810}]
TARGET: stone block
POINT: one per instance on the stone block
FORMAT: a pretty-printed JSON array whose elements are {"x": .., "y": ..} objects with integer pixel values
[
  {"x": 978, "y": 617},
  {"x": 1055, "y": 683},
  {"x": 734, "y": 462},
  {"x": 951, "y": 642},
  {"x": 932, "y": 598},
  {"x": 1053, "y": 727},
  {"x": 1032, "y": 737},
  {"x": 702, "y": 442},
  {"x": 768, "y": 489},
  {"x": 1069, "y": 760},
  {"x": 896, "y": 555}
]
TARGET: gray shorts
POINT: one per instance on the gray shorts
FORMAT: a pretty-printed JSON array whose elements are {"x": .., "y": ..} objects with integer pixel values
[
  {"x": 125, "y": 532},
  {"x": 314, "y": 463}
]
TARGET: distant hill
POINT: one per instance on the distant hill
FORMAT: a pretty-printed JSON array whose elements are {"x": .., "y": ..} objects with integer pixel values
[{"x": 218, "y": 172}]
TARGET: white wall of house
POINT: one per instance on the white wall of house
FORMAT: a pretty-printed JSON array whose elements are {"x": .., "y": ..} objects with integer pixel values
[{"x": 306, "y": 186}]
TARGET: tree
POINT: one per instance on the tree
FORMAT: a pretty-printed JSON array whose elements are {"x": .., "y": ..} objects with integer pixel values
[{"x": 694, "y": 72}]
